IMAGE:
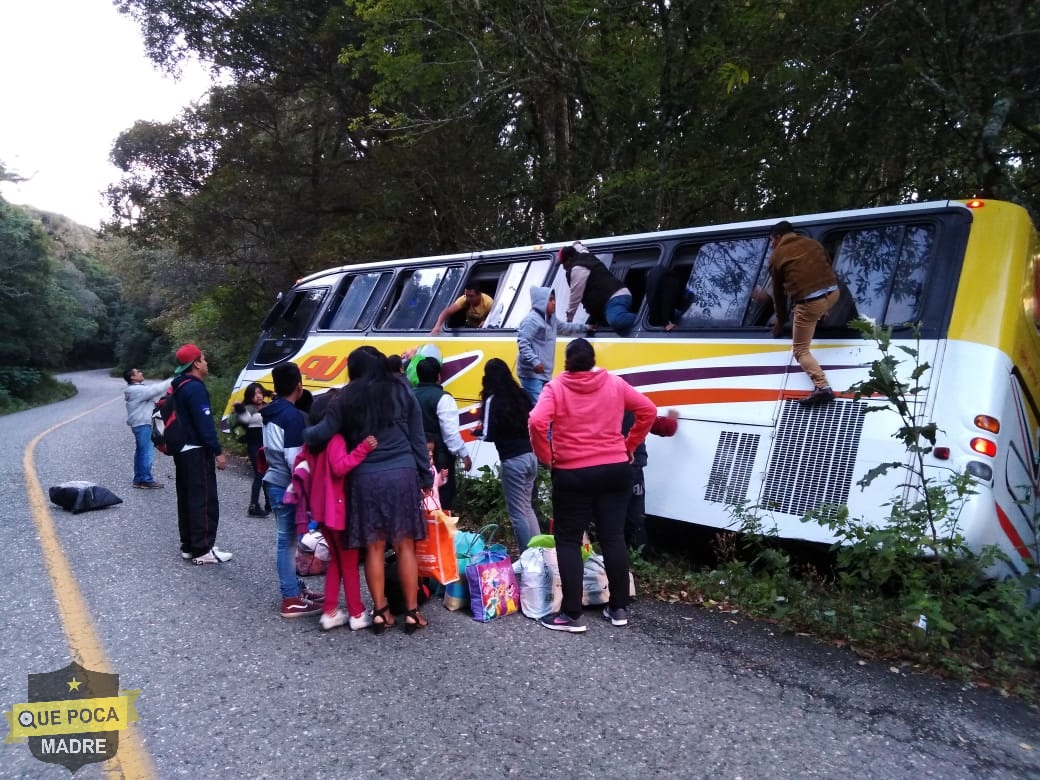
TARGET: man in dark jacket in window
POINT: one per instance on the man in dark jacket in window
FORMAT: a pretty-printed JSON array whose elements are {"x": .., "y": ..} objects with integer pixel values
[{"x": 603, "y": 295}]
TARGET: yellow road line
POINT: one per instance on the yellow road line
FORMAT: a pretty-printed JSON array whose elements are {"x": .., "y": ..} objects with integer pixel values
[{"x": 132, "y": 760}]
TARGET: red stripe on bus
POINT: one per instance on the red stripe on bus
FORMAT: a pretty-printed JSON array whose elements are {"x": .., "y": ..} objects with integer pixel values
[
  {"x": 1012, "y": 534},
  {"x": 721, "y": 396}
]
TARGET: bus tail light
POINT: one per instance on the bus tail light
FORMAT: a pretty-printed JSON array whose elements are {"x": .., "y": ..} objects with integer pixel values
[
  {"x": 987, "y": 423},
  {"x": 942, "y": 453},
  {"x": 975, "y": 203},
  {"x": 984, "y": 446}
]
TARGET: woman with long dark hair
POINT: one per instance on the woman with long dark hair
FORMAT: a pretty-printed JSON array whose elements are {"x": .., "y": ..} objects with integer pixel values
[
  {"x": 385, "y": 490},
  {"x": 591, "y": 476},
  {"x": 504, "y": 411},
  {"x": 248, "y": 411}
]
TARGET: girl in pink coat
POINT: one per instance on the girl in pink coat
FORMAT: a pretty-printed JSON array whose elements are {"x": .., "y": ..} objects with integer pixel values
[{"x": 321, "y": 481}]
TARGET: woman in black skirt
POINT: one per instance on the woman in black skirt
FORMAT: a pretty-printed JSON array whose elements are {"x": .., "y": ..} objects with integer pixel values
[{"x": 385, "y": 491}]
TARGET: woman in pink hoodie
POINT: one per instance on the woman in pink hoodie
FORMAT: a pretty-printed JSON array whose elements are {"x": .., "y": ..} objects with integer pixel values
[{"x": 576, "y": 430}]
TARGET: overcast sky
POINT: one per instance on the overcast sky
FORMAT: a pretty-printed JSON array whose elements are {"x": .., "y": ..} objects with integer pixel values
[{"x": 73, "y": 75}]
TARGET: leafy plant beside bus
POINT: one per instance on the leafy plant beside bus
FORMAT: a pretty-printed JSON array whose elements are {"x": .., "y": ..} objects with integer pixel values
[{"x": 909, "y": 586}]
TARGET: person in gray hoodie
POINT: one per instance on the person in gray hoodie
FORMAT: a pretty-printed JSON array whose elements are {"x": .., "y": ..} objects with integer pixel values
[
  {"x": 140, "y": 398},
  {"x": 536, "y": 341}
]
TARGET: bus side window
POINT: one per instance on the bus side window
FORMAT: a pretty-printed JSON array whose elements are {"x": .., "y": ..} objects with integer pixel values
[
  {"x": 722, "y": 279},
  {"x": 356, "y": 300},
  {"x": 487, "y": 285},
  {"x": 631, "y": 267},
  {"x": 507, "y": 282},
  {"x": 419, "y": 297},
  {"x": 884, "y": 268},
  {"x": 666, "y": 294},
  {"x": 513, "y": 301}
]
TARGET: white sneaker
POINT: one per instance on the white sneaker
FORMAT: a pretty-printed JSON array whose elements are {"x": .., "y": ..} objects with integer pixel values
[
  {"x": 213, "y": 556},
  {"x": 186, "y": 555},
  {"x": 336, "y": 619},
  {"x": 364, "y": 620}
]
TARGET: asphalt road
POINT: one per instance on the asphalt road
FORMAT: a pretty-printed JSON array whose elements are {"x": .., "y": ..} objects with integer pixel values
[{"x": 230, "y": 689}]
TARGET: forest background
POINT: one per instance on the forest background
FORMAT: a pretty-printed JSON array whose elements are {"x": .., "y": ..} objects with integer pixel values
[{"x": 343, "y": 132}]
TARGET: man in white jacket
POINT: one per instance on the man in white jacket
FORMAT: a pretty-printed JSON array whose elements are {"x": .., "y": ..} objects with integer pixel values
[{"x": 139, "y": 401}]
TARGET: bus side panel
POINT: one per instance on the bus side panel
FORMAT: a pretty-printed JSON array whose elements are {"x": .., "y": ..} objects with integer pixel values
[
  {"x": 780, "y": 461},
  {"x": 978, "y": 383}
]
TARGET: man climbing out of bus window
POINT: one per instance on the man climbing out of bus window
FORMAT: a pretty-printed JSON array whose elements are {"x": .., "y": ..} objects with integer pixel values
[
  {"x": 604, "y": 296},
  {"x": 440, "y": 417},
  {"x": 476, "y": 304},
  {"x": 800, "y": 270},
  {"x": 536, "y": 341},
  {"x": 667, "y": 296}
]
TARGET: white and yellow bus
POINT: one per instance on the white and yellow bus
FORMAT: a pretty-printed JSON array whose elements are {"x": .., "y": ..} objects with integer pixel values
[{"x": 964, "y": 272}]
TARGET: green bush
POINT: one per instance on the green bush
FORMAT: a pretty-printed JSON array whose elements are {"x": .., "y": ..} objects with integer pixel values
[{"x": 25, "y": 388}]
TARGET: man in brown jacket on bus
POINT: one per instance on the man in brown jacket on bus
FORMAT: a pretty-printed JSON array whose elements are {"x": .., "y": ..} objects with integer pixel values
[{"x": 801, "y": 271}]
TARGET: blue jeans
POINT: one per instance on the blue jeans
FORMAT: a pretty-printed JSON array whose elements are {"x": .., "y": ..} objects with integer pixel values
[
  {"x": 618, "y": 315},
  {"x": 518, "y": 476},
  {"x": 533, "y": 385},
  {"x": 143, "y": 453},
  {"x": 285, "y": 551}
]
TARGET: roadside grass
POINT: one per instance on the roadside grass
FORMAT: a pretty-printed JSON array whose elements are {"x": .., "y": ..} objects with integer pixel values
[{"x": 992, "y": 640}]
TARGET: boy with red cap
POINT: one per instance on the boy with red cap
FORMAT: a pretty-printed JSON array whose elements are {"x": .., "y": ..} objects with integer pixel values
[{"x": 197, "y": 509}]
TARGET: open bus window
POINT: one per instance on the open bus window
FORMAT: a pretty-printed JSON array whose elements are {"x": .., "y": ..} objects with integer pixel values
[
  {"x": 357, "y": 299},
  {"x": 666, "y": 294},
  {"x": 884, "y": 268},
  {"x": 508, "y": 284},
  {"x": 287, "y": 325},
  {"x": 420, "y": 296},
  {"x": 484, "y": 278},
  {"x": 631, "y": 267},
  {"x": 722, "y": 277},
  {"x": 513, "y": 281}
]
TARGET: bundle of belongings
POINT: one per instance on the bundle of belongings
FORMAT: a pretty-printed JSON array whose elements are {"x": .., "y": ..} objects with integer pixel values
[{"x": 80, "y": 496}]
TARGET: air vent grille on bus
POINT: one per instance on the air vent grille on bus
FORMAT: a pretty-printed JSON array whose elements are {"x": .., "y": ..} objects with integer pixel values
[
  {"x": 813, "y": 456},
  {"x": 731, "y": 469}
]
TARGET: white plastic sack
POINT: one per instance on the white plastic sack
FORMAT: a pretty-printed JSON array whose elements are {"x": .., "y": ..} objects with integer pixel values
[
  {"x": 314, "y": 542},
  {"x": 595, "y": 590},
  {"x": 595, "y": 586},
  {"x": 540, "y": 591}
]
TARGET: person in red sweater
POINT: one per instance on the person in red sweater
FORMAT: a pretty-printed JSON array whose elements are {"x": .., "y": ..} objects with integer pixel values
[{"x": 590, "y": 460}]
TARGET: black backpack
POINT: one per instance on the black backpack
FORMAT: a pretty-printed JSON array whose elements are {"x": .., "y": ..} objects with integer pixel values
[{"x": 168, "y": 434}]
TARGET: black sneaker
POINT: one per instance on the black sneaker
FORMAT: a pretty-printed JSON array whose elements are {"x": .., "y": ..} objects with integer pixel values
[
  {"x": 558, "y": 621},
  {"x": 819, "y": 395},
  {"x": 617, "y": 617},
  {"x": 256, "y": 511}
]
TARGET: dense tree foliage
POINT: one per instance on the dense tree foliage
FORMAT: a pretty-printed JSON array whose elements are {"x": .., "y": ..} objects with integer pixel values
[
  {"x": 347, "y": 130},
  {"x": 59, "y": 304}
]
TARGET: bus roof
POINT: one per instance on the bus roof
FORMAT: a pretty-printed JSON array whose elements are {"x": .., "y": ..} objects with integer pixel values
[{"x": 591, "y": 243}]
